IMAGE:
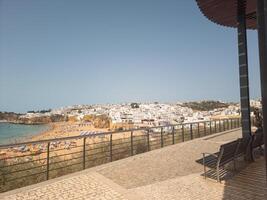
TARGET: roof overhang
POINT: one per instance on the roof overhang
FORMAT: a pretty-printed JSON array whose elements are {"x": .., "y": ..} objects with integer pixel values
[{"x": 224, "y": 12}]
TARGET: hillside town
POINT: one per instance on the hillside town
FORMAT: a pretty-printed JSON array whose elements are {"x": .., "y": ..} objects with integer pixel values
[{"x": 134, "y": 115}]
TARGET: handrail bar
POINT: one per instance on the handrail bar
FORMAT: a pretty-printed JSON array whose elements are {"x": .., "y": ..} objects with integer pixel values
[{"x": 3, "y": 146}]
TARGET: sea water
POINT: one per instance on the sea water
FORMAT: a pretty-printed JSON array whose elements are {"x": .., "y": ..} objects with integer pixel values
[{"x": 12, "y": 133}]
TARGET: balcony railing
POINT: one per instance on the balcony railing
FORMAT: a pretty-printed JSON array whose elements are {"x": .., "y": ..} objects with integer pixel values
[{"x": 27, "y": 163}]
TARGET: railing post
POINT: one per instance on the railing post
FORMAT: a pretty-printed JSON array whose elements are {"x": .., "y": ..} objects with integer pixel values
[
  {"x": 161, "y": 137},
  {"x": 131, "y": 143},
  {"x": 198, "y": 133},
  {"x": 3, "y": 173},
  {"x": 223, "y": 124},
  {"x": 110, "y": 147},
  {"x": 234, "y": 125},
  {"x": 148, "y": 145},
  {"x": 215, "y": 128},
  {"x": 84, "y": 151},
  {"x": 231, "y": 123},
  {"x": 47, "y": 161},
  {"x": 173, "y": 135},
  {"x": 220, "y": 128},
  {"x": 205, "y": 133},
  {"x": 182, "y": 133},
  {"x": 210, "y": 127},
  {"x": 191, "y": 132}
]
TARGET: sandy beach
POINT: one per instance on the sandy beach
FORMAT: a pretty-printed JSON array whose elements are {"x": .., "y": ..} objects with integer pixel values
[
  {"x": 57, "y": 130},
  {"x": 66, "y": 129}
]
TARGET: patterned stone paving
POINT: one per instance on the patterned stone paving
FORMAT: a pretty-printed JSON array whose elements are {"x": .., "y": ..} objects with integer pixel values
[
  {"x": 249, "y": 184},
  {"x": 89, "y": 186}
]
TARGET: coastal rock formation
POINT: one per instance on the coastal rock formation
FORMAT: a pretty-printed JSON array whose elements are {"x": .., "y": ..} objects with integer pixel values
[
  {"x": 22, "y": 119},
  {"x": 42, "y": 119},
  {"x": 9, "y": 116},
  {"x": 35, "y": 120},
  {"x": 99, "y": 121}
]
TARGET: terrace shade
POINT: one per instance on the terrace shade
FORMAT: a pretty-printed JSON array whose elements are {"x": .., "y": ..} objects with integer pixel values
[
  {"x": 224, "y": 12},
  {"x": 243, "y": 15}
]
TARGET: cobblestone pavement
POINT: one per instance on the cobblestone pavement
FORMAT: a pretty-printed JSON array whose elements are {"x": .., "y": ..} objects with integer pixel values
[
  {"x": 91, "y": 186},
  {"x": 249, "y": 184},
  {"x": 185, "y": 188},
  {"x": 165, "y": 174}
]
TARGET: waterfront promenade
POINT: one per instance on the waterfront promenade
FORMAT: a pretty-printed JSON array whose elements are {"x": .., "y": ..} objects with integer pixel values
[{"x": 168, "y": 173}]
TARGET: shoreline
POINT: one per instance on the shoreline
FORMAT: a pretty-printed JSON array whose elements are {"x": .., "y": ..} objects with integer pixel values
[
  {"x": 52, "y": 127},
  {"x": 22, "y": 123},
  {"x": 55, "y": 130},
  {"x": 65, "y": 129},
  {"x": 26, "y": 137}
]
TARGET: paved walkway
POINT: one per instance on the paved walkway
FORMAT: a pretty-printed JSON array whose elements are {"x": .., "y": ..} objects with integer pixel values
[
  {"x": 241, "y": 187},
  {"x": 79, "y": 186},
  {"x": 166, "y": 163},
  {"x": 169, "y": 173}
]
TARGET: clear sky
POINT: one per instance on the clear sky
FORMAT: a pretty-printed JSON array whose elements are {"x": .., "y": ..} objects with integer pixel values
[{"x": 63, "y": 52}]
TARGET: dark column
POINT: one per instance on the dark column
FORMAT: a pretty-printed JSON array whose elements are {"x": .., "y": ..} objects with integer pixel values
[
  {"x": 262, "y": 34},
  {"x": 243, "y": 69}
]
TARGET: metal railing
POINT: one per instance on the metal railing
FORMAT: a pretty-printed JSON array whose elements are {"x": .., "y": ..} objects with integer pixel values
[{"x": 26, "y": 163}]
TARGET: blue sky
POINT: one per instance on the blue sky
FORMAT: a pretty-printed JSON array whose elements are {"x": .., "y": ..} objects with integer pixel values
[{"x": 63, "y": 52}]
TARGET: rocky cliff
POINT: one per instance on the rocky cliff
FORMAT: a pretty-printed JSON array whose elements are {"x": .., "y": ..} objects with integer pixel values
[
  {"x": 9, "y": 116},
  {"x": 19, "y": 118},
  {"x": 99, "y": 121}
]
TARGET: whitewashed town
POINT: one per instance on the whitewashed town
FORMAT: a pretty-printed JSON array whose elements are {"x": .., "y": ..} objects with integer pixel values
[{"x": 146, "y": 114}]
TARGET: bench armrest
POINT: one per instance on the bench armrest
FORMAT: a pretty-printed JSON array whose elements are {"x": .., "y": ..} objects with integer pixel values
[
  {"x": 209, "y": 154},
  {"x": 204, "y": 154}
]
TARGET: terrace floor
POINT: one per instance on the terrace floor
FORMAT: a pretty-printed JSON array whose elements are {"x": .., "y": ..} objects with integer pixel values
[{"x": 168, "y": 173}]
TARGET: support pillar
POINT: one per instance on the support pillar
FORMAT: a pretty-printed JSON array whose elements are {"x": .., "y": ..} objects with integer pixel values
[
  {"x": 243, "y": 69},
  {"x": 262, "y": 35}
]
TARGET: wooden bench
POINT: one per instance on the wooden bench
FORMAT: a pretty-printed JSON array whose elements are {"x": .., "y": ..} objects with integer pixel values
[
  {"x": 243, "y": 146},
  {"x": 258, "y": 141},
  {"x": 228, "y": 152}
]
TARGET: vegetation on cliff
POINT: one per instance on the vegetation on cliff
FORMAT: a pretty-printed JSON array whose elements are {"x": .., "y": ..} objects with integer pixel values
[
  {"x": 205, "y": 105},
  {"x": 18, "y": 118},
  {"x": 40, "y": 111}
]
